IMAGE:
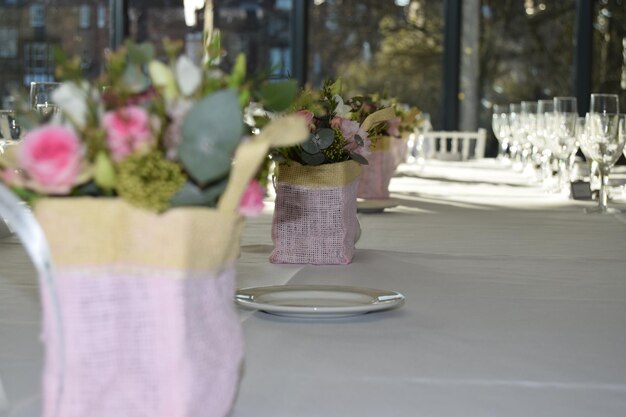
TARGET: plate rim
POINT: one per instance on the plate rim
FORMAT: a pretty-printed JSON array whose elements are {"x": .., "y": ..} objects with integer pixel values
[{"x": 377, "y": 304}]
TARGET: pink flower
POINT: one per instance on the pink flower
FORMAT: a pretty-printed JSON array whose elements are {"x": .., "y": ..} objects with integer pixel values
[
  {"x": 350, "y": 130},
  {"x": 50, "y": 157},
  {"x": 393, "y": 127},
  {"x": 12, "y": 177},
  {"x": 251, "y": 203},
  {"x": 308, "y": 117},
  {"x": 128, "y": 131}
]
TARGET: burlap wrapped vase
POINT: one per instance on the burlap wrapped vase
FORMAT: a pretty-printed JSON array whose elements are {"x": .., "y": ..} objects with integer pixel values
[
  {"x": 147, "y": 321},
  {"x": 315, "y": 213},
  {"x": 382, "y": 163}
]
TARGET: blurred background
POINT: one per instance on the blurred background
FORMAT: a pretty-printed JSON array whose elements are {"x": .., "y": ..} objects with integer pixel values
[{"x": 451, "y": 58}]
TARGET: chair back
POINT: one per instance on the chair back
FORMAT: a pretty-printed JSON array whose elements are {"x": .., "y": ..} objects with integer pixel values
[{"x": 454, "y": 146}]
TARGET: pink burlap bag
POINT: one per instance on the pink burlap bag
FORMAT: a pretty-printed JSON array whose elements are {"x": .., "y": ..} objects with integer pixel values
[
  {"x": 315, "y": 213},
  {"x": 376, "y": 176},
  {"x": 400, "y": 147},
  {"x": 148, "y": 326}
]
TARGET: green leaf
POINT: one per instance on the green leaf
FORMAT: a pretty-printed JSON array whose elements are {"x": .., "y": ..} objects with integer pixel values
[
  {"x": 278, "y": 96},
  {"x": 335, "y": 88},
  {"x": 326, "y": 137},
  {"x": 140, "y": 54},
  {"x": 211, "y": 132},
  {"x": 104, "y": 172},
  {"x": 238, "y": 75},
  {"x": 313, "y": 159},
  {"x": 192, "y": 195},
  {"x": 311, "y": 145},
  {"x": 134, "y": 79},
  {"x": 359, "y": 158}
]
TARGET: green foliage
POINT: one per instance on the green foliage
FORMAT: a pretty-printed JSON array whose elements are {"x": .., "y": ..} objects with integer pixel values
[
  {"x": 211, "y": 132},
  {"x": 192, "y": 195},
  {"x": 278, "y": 96}
]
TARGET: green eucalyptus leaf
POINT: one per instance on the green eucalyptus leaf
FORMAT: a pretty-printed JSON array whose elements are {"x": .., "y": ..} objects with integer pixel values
[
  {"x": 278, "y": 96},
  {"x": 359, "y": 158},
  {"x": 211, "y": 132},
  {"x": 326, "y": 137},
  {"x": 192, "y": 195},
  {"x": 311, "y": 145},
  {"x": 134, "y": 79},
  {"x": 313, "y": 159},
  {"x": 140, "y": 54},
  {"x": 359, "y": 140}
]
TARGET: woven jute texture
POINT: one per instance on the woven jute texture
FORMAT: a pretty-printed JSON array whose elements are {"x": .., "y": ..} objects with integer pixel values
[
  {"x": 376, "y": 176},
  {"x": 315, "y": 223},
  {"x": 147, "y": 328}
]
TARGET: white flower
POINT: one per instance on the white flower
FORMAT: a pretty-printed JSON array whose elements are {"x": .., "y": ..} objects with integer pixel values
[
  {"x": 72, "y": 101},
  {"x": 342, "y": 110},
  {"x": 188, "y": 75}
]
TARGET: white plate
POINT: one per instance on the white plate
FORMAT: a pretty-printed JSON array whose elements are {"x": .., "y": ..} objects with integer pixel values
[{"x": 317, "y": 300}]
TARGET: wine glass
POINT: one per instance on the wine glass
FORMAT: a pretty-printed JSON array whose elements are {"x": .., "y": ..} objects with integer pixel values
[
  {"x": 10, "y": 131},
  {"x": 563, "y": 136},
  {"x": 529, "y": 125},
  {"x": 500, "y": 126},
  {"x": 545, "y": 115},
  {"x": 517, "y": 134},
  {"x": 41, "y": 97},
  {"x": 604, "y": 103},
  {"x": 604, "y": 141}
]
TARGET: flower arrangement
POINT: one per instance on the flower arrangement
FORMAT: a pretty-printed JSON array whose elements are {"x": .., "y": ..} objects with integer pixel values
[
  {"x": 339, "y": 131},
  {"x": 156, "y": 134},
  {"x": 403, "y": 121}
]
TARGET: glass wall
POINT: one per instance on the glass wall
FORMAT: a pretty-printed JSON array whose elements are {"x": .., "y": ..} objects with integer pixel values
[
  {"x": 391, "y": 47},
  {"x": 30, "y": 30},
  {"x": 511, "y": 50},
  {"x": 259, "y": 29},
  {"x": 526, "y": 51},
  {"x": 608, "y": 72}
]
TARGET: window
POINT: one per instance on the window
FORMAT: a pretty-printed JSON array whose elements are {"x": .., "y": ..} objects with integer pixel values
[
  {"x": 609, "y": 49},
  {"x": 390, "y": 47}
]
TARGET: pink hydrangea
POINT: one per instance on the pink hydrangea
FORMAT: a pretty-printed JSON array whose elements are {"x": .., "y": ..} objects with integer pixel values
[
  {"x": 251, "y": 203},
  {"x": 50, "y": 157},
  {"x": 350, "y": 129},
  {"x": 128, "y": 131}
]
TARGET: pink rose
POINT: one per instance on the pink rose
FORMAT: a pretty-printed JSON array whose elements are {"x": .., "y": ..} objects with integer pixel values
[
  {"x": 50, "y": 157},
  {"x": 350, "y": 130},
  {"x": 128, "y": 131},
  {"x": 251, "y": 203}
]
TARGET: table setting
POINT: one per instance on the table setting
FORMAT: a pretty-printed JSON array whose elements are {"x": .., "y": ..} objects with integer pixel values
[{"x": 161, "y": 257}]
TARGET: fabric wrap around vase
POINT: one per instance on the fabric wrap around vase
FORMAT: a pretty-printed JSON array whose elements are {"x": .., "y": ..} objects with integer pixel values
[
  {"x": 149, "y": 327},
  {"x": 315, "y": 218},
  {"x": 382, "y": 163}
]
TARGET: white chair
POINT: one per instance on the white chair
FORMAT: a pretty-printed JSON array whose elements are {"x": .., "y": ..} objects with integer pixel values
[{"x": 454, "y": 146}]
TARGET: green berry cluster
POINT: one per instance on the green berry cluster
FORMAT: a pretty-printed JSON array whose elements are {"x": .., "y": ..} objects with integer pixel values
[
  {"x": 336, "y": 152},
  {"x": 149, "y": 180}
]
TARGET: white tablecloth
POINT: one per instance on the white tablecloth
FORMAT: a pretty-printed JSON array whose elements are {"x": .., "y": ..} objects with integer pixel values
[{"x": 516, "y": 306}]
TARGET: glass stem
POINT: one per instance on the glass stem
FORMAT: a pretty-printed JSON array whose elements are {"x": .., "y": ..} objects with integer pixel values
[
  {"x": 563, "y": 176},
  {"x": 603, "y": 198}
]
